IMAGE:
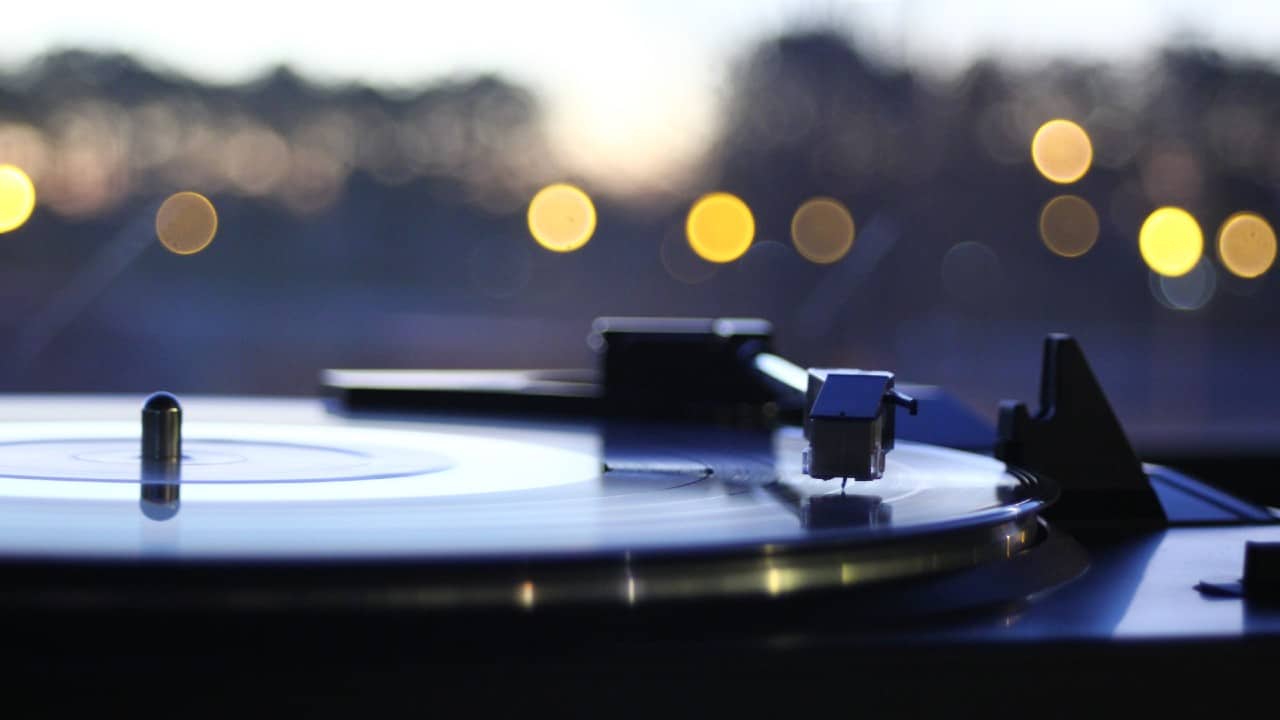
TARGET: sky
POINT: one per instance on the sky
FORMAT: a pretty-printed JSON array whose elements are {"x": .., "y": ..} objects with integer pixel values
[{"x": 631, "y": 87}]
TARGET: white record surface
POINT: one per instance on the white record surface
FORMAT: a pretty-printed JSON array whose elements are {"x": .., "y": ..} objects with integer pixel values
[{"x": 273, "y": 479}]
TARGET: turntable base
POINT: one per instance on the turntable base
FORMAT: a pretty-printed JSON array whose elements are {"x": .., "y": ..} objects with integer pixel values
[{"x": 368, "y": 563}]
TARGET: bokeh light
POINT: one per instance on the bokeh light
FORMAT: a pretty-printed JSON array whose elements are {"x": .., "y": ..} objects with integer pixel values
[
  {"x": 822, "y": 230},
  {"x": 17, "y": 198},
  {"x": 1246, "y": 245},
  {"x": 972, "y": 273},
  {"x": 27, "y": 147},
  {"x": 562, "y": 217},
  {"x": 1069, "y": 226},
  {"x": 1061, "y": 151},
  {"x": 256, "y": 160},
  {"x": 186, "y": 223},
  {"x": 681, "y": 262},
  {"x": 1171, "y": 241},
  {"x": 1171, "y": 174},
  {"x": 720, "y": 227},
  {"x": 1190, "y": 291}
]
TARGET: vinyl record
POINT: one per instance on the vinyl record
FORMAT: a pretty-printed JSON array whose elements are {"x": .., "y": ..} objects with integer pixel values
[{"x": 706, "y": 511}]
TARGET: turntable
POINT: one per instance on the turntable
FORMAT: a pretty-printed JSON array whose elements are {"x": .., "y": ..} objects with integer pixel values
[{"x": 697, "y": 520}]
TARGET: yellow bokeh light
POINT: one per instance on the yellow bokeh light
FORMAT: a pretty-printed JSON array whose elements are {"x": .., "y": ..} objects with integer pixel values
[
  {"x": 720, "y": 227},
  {"x": 1170, "y": 241},
  {"x": 1069, "y": 226},
  {"x": 561, "y": 217},
  {"x": 186, "y": 223},
  {"x": 1061, "y": 151},
  {"x": 17, "y": 198},
  {"x": 1247, "y": 245},
  {"x": 822, "y": 230}
]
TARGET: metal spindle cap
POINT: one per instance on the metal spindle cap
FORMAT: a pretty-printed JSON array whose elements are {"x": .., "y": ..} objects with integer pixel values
[{"x": 161, "y": 428}]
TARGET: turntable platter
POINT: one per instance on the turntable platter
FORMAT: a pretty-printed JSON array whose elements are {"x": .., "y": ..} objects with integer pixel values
[
  {"x": 367, "y": 488},
  {"x": 298, "y": 484}
]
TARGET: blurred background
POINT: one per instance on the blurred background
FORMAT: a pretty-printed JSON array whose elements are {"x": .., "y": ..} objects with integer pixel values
[{"x": 927, "y": 187}]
